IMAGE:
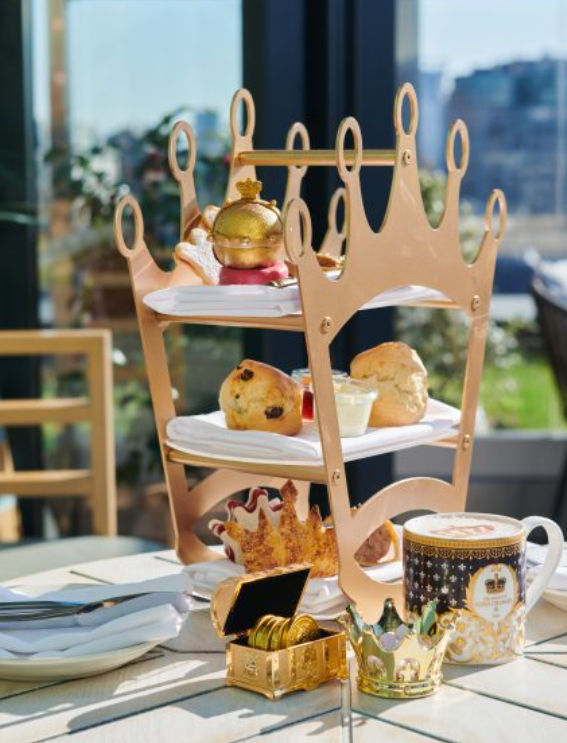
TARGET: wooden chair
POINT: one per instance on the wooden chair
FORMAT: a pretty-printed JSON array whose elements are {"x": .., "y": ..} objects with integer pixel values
[
  {"x": 552, "y": 316},
  {"x": 99, "y": 482}
]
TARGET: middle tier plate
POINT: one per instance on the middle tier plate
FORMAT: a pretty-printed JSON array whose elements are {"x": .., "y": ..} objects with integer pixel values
[{"x": 206, "y": 437}]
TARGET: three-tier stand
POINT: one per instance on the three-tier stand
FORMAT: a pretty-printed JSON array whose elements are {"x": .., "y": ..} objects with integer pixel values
[{"x": 406, "y": 251}]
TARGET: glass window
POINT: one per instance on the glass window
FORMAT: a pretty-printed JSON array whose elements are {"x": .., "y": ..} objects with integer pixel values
[
  {"x": 501, "y": 67},
  {"x": 111, "y": 77}
]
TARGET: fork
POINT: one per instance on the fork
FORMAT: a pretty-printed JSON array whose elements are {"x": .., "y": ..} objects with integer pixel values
[{"x": 21, "y": 611}]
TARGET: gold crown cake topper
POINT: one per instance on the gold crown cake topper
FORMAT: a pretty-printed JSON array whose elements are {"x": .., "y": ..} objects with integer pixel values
[
  {"x": 249, "y": 189},
  {"x": 398, "y": 660}
]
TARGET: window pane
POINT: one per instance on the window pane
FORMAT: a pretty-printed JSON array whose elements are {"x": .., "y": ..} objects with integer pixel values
[
  {"x": 501, "y": 67},
  {"x": 111, "y": 77}
]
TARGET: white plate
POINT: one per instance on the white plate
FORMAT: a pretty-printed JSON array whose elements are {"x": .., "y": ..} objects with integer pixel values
[
  {"x": 557, "y": 598},
  {"x": 260, "y": 301},
  {"x": 73, "y": 667},
  {"x": 207, "y": 435}
]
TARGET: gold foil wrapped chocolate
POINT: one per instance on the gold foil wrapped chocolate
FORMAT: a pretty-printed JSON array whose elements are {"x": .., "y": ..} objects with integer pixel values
[
  {"x": 248, "y": 233},
  {"x": 277, "y": 633}
]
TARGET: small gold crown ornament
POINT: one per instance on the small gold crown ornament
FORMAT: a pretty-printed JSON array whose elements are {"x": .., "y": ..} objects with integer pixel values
[
  {"x": 248, "y": 233},
  {"x": 249, "y": 189},
  {"x": 398, "y": 660}
]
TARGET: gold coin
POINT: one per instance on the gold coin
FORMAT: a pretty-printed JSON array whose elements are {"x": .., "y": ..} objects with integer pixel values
[
  {"x": 259, "y": 624},
  {"x": 275, "y": 640},
  {"x": 262, "y": 637},
  {"x": 267, "y": 636},
  {"x": 303, "y": 629},
  {"x": 285, "y": 633},
  {"x": 262, "y": 626}
]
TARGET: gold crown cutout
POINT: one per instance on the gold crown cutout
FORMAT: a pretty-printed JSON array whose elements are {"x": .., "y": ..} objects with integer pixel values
[{"x": 406, "y": 250}]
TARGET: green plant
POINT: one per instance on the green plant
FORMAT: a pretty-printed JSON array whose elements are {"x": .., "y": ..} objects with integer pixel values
[
  {"x": 90, "y": 181},
  {"x": 92, "y": 178}
]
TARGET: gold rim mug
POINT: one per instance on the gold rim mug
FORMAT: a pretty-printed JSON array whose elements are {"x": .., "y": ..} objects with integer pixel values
[{"x": 474, "y": 564}]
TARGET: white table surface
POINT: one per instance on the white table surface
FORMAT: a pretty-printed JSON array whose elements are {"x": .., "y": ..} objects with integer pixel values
[{"x": 179, "y": 692}]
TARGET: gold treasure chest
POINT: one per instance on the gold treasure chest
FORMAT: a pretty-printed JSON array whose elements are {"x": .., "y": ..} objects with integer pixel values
[{"x": 275, "y": 650}]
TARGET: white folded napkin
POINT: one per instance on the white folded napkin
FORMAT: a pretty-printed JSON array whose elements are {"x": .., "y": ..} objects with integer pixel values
[
  {"x": 238, "y": 301},
  {"x": 208, "y": 435},
  {"x": 322, "y": 595},
  {"x": 535, "y": 557},
  {"x": 155, "y": 617},
  {"x": 259, "y": 301}
]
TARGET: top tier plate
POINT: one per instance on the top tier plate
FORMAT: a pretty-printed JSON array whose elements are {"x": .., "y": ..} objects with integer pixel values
[{"x": 263, "y": 301}]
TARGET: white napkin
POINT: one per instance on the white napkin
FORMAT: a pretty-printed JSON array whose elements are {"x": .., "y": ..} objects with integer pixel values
[
  {"x": 208, "y": 435},
  {"x": 322, "y": 595},
  {"x": 259, "y": 301},
  {"x": 237, "y": 300},
  {"x": 153, "y": 618},
  {"x": 535, "y": 557}
]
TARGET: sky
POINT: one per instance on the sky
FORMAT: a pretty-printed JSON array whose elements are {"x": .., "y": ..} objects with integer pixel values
[
  {"x": 458, "y": 36},
  {"x": 131, "y": 61}
]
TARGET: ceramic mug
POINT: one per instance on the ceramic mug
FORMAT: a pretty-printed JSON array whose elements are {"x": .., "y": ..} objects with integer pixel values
[{"x": 476, "y": 564}]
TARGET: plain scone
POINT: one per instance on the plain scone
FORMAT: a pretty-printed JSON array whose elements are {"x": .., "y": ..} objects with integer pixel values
[
  {"x": 258, "y": 397},
  {"x": 400, "y": 377}
]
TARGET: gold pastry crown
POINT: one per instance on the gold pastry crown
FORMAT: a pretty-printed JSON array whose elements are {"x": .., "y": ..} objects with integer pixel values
[{"x": 290, "y": 541}]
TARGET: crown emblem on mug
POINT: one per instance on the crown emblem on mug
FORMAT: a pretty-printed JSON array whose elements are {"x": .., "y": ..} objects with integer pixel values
[{"x": 495, "y": 585}]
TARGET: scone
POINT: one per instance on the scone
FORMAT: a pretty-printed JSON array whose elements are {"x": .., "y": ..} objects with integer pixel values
[
  {"x": 382, "y": 545},
  {"x": 400, "y": 377},
  {"x": 257, "y": 397}
]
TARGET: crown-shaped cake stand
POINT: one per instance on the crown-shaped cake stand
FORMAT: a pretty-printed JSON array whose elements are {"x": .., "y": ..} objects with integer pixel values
[{"x": 406, "y": 251}]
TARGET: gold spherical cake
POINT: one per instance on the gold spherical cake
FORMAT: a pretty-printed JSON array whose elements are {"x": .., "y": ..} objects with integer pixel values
[{"x": 248, "y": 233}]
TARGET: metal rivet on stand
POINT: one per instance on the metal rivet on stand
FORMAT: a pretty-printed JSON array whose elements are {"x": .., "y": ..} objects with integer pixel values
[{"x": 326, "y": 324}]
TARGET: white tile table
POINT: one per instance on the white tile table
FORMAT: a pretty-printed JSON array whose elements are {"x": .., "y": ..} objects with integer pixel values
[{"x": 177, "y": 694}]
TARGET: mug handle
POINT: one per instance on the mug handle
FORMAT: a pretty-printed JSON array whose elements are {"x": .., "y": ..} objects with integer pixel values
[{"x": 554, "y": 555}]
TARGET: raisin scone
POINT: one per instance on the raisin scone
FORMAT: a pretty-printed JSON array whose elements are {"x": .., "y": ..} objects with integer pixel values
[
  {"x": 400, "y": 377},
  {"x": 258, "y": 397}
]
